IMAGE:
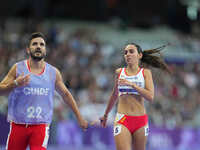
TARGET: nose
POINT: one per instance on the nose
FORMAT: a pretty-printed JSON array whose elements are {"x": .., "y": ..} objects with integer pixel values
[
  {"x": 38, "y": 46},
  {"x": 128, "y": 53}
]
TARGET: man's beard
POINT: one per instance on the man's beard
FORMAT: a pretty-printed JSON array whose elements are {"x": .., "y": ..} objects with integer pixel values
[{"x": 36, "y": 58}]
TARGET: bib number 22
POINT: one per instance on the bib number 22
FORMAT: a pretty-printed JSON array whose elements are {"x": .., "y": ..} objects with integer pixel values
[{"x": 34, "y": 112}]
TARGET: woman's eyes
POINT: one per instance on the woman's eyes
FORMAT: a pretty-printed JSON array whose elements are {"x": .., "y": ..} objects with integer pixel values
[{"x": 130, "y": 51}]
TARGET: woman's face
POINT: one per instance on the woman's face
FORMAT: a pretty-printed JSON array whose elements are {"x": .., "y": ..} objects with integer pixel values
[{"x": 131, "y": 54}]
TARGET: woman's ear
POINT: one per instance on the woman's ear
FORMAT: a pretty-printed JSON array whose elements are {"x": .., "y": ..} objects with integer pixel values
[{"x": 140, "y": 55}]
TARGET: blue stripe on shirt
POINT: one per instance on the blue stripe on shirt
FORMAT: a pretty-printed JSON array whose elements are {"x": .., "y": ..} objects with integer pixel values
[{"x": 127, "y": 90}]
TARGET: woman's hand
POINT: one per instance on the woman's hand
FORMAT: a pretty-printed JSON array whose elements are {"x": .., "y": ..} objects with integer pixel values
[
  {"x": 126, "y": 82},
  {"x": 103, "y": 120}
]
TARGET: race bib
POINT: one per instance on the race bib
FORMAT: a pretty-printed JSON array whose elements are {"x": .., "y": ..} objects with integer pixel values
[
  {"x": 146, "y": 130},
  {"x": 117, "y": 129}
]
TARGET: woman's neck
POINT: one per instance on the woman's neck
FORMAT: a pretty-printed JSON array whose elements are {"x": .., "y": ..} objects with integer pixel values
[{"x": 133, "y": 68}]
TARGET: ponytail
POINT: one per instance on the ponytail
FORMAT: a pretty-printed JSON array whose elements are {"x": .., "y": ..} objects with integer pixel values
[{"x": 152, "y": 60}]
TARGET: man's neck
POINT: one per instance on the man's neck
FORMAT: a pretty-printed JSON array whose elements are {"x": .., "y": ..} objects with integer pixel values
[{"x": 36, "y": 64}]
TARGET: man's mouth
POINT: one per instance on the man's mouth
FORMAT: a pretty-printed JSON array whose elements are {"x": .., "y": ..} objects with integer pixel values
[{"x": 38, "y": 52}]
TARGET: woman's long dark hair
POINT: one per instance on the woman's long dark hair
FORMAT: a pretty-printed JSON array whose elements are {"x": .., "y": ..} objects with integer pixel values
[{"x": 152, "y": 60}]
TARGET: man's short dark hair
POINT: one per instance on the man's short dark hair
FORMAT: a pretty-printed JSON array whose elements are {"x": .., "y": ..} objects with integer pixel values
[{"x": 36, "y": 35}]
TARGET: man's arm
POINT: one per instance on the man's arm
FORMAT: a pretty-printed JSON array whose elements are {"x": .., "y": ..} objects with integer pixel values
[
  {"x": 68, "y": 99},
  {"x": 7, "y": 84},
  {"x": 10, "y": 81}
]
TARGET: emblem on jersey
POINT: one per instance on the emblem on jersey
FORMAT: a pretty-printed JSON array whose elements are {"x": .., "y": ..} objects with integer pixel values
[
  {"x": 118, "y": 117},
  {"x": 117, "y": 129},
  {"x": 122, "y": 77}
]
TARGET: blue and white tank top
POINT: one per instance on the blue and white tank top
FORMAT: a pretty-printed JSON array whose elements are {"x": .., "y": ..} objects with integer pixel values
[
  {"x": 138, "y": 79},
  {"x": 33, "y": 103}
]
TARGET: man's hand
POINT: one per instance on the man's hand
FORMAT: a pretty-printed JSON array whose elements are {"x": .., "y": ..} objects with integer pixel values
[
  {"x": 83, "y": 124},
  {"x": 22, "y": 80}
]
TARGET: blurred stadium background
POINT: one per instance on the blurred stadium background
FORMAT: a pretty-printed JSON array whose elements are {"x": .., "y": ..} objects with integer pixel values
[{"x": 85, "y": 40}]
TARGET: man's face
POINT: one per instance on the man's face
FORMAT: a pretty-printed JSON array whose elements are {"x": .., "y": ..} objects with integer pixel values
[{"x": 37, "y": 49}]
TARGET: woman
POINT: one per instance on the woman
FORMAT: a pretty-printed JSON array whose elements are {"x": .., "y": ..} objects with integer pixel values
[{"x": 133, "y": 85}]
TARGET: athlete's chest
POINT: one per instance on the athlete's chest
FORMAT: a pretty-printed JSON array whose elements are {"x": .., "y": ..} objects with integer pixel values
[
  {"x": 41, "y": 80},
  {"x": 138, "y": 80}
]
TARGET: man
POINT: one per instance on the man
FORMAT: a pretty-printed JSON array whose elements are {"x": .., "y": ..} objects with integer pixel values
[{"x": 31, "y": 84}]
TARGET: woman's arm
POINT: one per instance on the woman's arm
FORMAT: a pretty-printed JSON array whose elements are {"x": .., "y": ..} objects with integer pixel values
[{"x": 112, "y": 99}]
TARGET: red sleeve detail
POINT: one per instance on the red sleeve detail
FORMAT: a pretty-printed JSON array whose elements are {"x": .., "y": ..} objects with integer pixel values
[
  {"x": 143, "y": 72},
  {"x": 120, "y": 73}
]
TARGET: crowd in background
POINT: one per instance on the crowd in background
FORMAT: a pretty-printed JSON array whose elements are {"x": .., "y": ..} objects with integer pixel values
[{"x": 87, "y": 65}]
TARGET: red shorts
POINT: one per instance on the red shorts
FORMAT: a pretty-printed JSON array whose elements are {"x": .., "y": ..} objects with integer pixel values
[
  {"x": 133, "y": 123},
  {"x": 22, "y": 135}
]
